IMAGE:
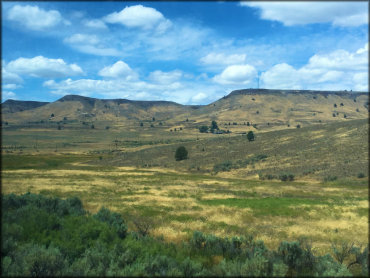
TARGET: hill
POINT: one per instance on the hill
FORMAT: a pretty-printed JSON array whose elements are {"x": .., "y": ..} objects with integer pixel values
[
  {"x": 13, "y": 106},
  {"x": 317, "y": 151},
  {"x": 265, "y": 109}
]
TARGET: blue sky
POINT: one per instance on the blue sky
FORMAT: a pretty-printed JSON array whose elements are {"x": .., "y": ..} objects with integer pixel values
[{"x": 187, "y": 52}]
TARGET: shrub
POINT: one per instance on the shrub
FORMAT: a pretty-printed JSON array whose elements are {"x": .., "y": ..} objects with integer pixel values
[
  {"x": 181, "y": 153},
  {"x": 286, "y": 177},
  {"x": 298, "y": 126},
  {"x": 223, "y": 166},
  {"x": 360, "y": 175},
  {"x": 113, "y": 219},
  {"x": 330, "y": 178},
  {"x": 250, "y": 136},
  {"x": 203, "y": 129}
]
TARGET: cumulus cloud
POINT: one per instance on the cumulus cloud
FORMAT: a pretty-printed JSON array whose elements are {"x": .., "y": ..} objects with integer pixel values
[
  {"x": 90, "y": 44},
  {"x": 223, "y": 59},
  {"x": 280, "y": 76},
  {"x": 94, "y": 23},
  {"x": 119, "y": 70},
  {"x": 35, "y": 18},
  {"x": 140, "y": 17},
  {"x": 236, "y": 74},
  {"x": 198, "y": 97},
  {"x": 340, "y": 60},
  {"x": 338, "y": 70},
  {"x": 165, "y": 77},
  {"x": 165, "y": 88},
  {"x": 40, "y": 66},
  {"x": 296, "y": 13},
  {"x": 9, "y": 77},
  {"x": 7, "y": 95},
  {"x": 365, "y": 49}
]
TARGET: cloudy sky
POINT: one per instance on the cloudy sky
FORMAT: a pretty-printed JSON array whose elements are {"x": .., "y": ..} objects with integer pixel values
[{"x": 187, "y": 52}]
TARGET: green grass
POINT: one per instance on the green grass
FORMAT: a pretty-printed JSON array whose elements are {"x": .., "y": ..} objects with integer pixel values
[{"x": 268, "y": 206}]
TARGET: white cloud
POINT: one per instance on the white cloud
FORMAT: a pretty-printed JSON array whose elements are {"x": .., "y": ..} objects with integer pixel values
[
  {"x": 90, "y": 44},
  {"x": 361, "y": 81},
  {"x": 340, "y": 60},
  {"x": 180, "y": 91},
  {"x": 295, "y": 13},
  {"x": 236, "y": 74},
  {"x": 365, "y": 49},
  {"x": 338, "y": 70},
  {"x": 7, "y": 95},
  {"x": 9, "y": 77},
  {"x": 35, "y": 18},
  {"x": 280, "y": 76},
  {"x": 94, "y": 23},
  {"x": 223, "y": 59},
  {"x": 82, "y": 38},
  {"x": 43, "y": 67},
  {"x": 198, "y": 97},
  {"x": 165, "y": 77},
  {"x": 11, "y": 86},
  {"x": 119, "y": 70},
  {"x": 139, "y": 16}
]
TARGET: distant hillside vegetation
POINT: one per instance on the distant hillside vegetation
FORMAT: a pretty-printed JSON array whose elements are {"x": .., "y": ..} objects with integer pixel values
[
  {"x": 13, "y": 106},
  {"x": 262, "y": 108}
]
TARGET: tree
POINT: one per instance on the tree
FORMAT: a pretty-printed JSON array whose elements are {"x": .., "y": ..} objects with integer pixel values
[
  {"x": 181, "y": 153},
  {"x": 141, "y": 124},
  {"x": 250, "y": 136},
  {"x": 214, "y": 125}
]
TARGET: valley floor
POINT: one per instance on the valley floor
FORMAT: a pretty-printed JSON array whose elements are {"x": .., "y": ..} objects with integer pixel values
[{"x": 173, "y": 204}]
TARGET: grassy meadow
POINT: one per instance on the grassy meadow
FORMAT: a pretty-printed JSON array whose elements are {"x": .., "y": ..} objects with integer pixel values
[{"x": 135, "y": 174}]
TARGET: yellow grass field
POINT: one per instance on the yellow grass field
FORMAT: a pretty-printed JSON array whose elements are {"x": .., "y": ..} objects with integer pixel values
[{"x": 174, "y": 204}]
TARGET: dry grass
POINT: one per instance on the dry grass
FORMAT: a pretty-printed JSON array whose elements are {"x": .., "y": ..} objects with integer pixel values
[{"x": 173, "y": 201}]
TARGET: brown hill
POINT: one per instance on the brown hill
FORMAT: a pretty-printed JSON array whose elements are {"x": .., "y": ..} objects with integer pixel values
[
  {"x": 272, "y": 109},
  {"x": 13, "y": 106}
]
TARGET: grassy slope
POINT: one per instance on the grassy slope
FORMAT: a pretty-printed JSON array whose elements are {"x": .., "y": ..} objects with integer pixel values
[{"x": 337, "y": 149}]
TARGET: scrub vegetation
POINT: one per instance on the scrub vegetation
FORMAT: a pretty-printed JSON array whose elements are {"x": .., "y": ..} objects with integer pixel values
[{"x": 151, "y": 195}]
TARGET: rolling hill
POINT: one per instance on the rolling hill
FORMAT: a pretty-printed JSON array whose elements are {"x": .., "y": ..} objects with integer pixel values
[{"x": 267, "y": 109}]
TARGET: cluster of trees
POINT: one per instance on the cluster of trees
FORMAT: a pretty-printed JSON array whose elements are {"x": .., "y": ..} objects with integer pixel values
[
  {"x": 53, "y": 237},
  {"x": 282, "y": 177},
  {"x": 212, "y": 129}
]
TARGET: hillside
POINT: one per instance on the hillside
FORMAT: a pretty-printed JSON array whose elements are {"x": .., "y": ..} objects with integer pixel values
[
  {"x": 266, "y": 108},
  {"x": 13, "y": 106},
  {"x": 316, "y": 151}
]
